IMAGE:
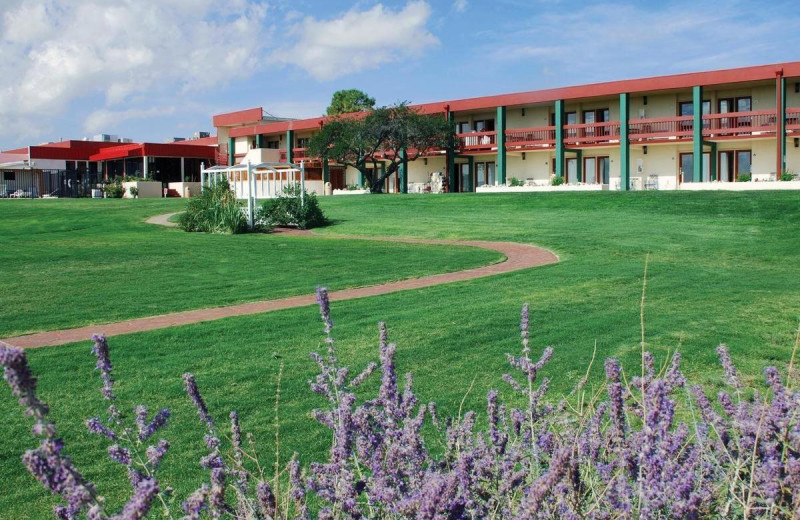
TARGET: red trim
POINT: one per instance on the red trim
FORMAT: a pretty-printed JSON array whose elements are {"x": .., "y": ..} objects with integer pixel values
[
  {"x": 241, "y": 117},
  {"x": 155, "y": 150}
]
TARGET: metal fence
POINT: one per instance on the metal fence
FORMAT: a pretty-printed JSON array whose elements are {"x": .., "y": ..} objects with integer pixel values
[{"x": 32, "y": 184}]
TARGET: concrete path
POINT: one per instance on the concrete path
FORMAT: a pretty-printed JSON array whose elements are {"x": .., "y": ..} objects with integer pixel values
[{"x": 518, "y": 256}]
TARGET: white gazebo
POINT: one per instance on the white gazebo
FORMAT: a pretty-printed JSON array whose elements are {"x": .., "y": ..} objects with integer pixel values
[{"x": 253, "y": 181}]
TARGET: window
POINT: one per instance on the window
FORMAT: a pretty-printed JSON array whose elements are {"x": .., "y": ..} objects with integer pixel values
[
  {"x": 686, "y": 108},
  {"x": 463, "y": 128},
  {"x": 302, "y": 142},
  {"x": 9, "y": 176},
  {"x": 274, "y": 145},
  {"x": 484, "y": 125}
]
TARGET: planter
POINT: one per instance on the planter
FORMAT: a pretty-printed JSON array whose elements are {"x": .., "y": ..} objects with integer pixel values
[{"x": 147, "y": 189}]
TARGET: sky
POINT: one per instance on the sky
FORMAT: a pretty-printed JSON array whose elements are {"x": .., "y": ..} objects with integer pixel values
[{"x": 154, "y": 69}]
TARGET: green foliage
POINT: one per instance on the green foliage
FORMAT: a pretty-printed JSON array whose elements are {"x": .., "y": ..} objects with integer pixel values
[
  {"x": 350, "y": 100},
  {"x": 513, "y": 181},
  {"x": 295, "y": 207},
  {"x": 788, "y": 176},
  {"x": 354, "y": 142},
  {"x": 558, "y": 181},
  {"x": 114, "y": 189},
  {"x": 216, "y": 210},
  {"x": 134, "y": 191},
  {"x": 744, "y": 177}
]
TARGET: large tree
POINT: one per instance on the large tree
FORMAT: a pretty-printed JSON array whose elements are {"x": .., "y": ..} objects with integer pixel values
[
  {"x": 350, "y": 100},
  {"x": 390, "y": 135}
]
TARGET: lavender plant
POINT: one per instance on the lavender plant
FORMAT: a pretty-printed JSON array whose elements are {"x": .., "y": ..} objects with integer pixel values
[{"x": 615, "y": 451}]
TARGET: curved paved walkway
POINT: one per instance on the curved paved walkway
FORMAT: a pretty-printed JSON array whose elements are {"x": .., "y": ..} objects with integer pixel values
[{"x": 518, "y": 256}]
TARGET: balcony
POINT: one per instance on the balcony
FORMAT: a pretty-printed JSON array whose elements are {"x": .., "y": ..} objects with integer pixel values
[
  {"x": 740, "y": 124},
  {"x": 477, "y": 141},
  {"x": 298, "y": 154},
  {"x": 528, "y": 138},
  {"x": 661, "y": 128},
  {"x": 589, "y": 134},
  {"x": 793, "y": 119}
]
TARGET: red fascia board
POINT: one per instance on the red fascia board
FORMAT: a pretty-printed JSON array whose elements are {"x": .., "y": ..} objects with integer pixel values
[
  {"x": 118, "y": 152},
  {"x": 630, "y": 86},
  {"x": 16, "y": 151},
  {"x": 241, "y": 117},
  {"x": 178, "y": 150}
]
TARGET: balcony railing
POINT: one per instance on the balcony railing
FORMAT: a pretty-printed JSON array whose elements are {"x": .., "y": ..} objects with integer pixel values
[
  {"x": 793, "y": 119},
  {"x": 659, "y": 128},
  {"x": 740, "y": 124},
  {"x": 592, "y": 133},
  {"x": 531, "y": 137},
  {"x": 477, "y": 141},
  {"x": 297, "y": 154}
]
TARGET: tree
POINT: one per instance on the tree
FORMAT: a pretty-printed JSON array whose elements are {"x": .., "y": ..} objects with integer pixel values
[
  {"x": 350, "y": 100},
  {"x": 381, "y": 136}
]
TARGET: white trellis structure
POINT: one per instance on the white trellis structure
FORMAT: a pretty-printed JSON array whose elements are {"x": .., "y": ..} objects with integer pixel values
[{"x": 252, "y": 182}]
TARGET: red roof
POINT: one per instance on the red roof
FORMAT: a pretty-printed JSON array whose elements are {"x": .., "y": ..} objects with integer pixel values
[
  {"x": 201, "y": 141},
  {"x": 631, "y": 86},
  {"x": 154, "y": 150}
]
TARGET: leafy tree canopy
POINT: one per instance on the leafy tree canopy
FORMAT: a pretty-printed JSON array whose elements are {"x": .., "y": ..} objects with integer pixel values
[
  {"x": 381, "y": 136},
  {"x": 350, "y": 100}
]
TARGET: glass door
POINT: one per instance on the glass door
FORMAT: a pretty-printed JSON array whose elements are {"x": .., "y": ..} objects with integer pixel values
[
  {"x": 572, "y": 171},
  {"x": 603, "y": 167},
  {"x": 743, "y": 162},
  {"x": 491, "y": 178},
  {"x": 480, "y": 174},
  {"x": 726, "y": 167},
  {"x": 464, "y": 177},
  {"x": 590, "y": 170},
  {"x": 687, "y": 167}
]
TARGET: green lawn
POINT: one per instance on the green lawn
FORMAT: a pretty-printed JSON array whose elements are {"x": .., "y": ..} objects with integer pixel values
[
  {"x": 68, "y": 263},
  {"x": 723, "y": 267}
]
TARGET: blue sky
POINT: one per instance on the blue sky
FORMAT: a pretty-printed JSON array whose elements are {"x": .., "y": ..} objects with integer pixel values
[{"x": 150, "y": 70}]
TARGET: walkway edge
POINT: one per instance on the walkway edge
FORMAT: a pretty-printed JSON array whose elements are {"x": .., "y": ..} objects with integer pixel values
[{"x": 518, "y": 256}]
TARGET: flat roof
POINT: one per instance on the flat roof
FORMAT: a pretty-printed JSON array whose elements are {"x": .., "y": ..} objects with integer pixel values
[{"x": 532, "y": 97}]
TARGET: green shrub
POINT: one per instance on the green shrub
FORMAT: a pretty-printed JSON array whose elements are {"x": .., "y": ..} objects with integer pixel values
[
  {"x": 216, "y": 210},
  {"x": 513, "y": 181},
  {"x": 788, "y": 176},
  {"x": 744, "y": 177},
  {"x": 114, "y": 189},
  {"x": 134, "y": 191},
  {"x": 558, "y": 181},
  {"x": 295, "y": 207}
]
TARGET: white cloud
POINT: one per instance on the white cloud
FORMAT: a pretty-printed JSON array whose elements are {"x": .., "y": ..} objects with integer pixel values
[
  {"x": 460, "y": 6},
  {"x": 103, "y": 119},
  {"x": 359, "y": 40},
  {"x": 58, "y": 51}
]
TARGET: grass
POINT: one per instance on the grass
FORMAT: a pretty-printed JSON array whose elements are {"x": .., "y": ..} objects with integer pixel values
[
  {"x": 723, "y": 267},
  {"x": 68, "y": 263}
]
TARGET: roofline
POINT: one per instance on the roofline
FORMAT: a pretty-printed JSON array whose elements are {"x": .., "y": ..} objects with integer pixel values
[{"x": 609, "y": 88}]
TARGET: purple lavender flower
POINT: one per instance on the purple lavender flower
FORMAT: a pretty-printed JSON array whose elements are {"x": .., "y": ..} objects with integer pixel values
[
  {"x": 119, "y": 454},
  {"x": 266, "y": 499},
  {"x": 159, "y": 420},
  {"x": 190, "y": 385},
  {"x": 100, "y": 349},
  {"x": 94, "y": 425},
  {"x": 729, "y": 370},
  {"x": 156, "y": 453},
  {"x": 142, "y": 500}
]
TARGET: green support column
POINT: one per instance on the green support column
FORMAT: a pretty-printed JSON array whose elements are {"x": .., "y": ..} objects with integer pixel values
[
  {"x": 402, "y": 172},
  {"x": 697, "y": 109},
  {"x": 579, "y": 162},
  {"x": 501, "y": 145},
  {"x": 259, "y": 141},
  {"x": 781, "y": 137},
  {"x": 231, "y": 150},
  {"x": 289, "y": 146},
  {"x": 451, "y": 156},
  {"x": 360, "y": 179},
  {"x": 624, "y": 142},
  {"x": 559, "y": 138},
  {"x": 713, "y": 174},
  {"x": 326, "y": 172}
]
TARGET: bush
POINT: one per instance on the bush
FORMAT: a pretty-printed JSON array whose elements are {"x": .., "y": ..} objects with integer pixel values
[
  {"x": 788, "y": 176},
  {"x": 743, "y": 177},
  {"x": 513, "y": 181},
  {"x": 295, "y": 207},
  {"x": 114, "y": 189},
  {"x": 134, "y": 191},
  {"x": 558, "y": 181},
  {"x": 614, "y": 450},
  {"x": 216, "y": 210}
]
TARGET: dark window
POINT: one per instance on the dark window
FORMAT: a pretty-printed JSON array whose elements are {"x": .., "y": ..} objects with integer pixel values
[
  {"x": 9, "y": 176},
  {"x": 484, "y": 125},
  {"x": 686, "y": 108},
  {"x": 463, "y": 128},
  {"x": 274, "y": 145},
  {"x": 302, "y": 142}
]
